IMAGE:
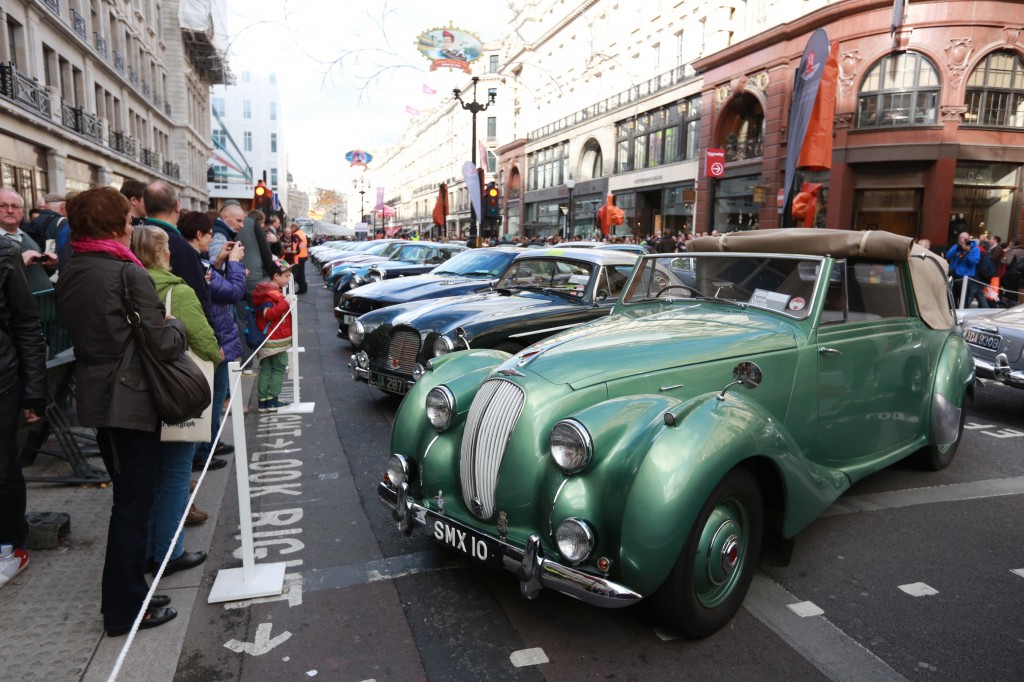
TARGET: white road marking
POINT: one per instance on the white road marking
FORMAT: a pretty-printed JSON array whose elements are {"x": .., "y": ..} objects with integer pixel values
[
  {"x": 1018, "y": 571},
  {"x": 919, "y": 589},
  {"x": 838, "y": 656},
  {"x": 524, "y": 657},
  {"x": 956, "y": 492},
  {"x": 805, "y": 609},
  {"x": 262, "y": 644}
]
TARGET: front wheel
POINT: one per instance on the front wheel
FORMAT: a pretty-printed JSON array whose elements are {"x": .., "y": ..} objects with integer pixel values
[
  {"x": 938, "y": 457},
  {"x": 711, "y": 577}
]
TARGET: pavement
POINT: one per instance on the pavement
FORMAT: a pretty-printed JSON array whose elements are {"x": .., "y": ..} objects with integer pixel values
[{"x": 53, "y": 629}]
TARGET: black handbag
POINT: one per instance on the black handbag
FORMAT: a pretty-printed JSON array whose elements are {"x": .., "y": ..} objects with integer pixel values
[{"x": 178, "y": 387}]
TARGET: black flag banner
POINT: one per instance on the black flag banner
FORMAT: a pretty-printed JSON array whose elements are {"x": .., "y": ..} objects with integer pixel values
[
  {"x": 897, "y": 16},
  {"x": 805, "y": 90}
]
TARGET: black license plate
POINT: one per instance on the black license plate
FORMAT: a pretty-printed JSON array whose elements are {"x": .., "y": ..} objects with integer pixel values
[
  {"x": 388, "y": 383},
  {"x": 981, "y": 339},
  {"x": 464, "y": 540}
]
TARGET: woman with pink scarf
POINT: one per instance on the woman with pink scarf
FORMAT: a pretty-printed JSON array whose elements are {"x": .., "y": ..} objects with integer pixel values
[{"x": 111, "y": 391}]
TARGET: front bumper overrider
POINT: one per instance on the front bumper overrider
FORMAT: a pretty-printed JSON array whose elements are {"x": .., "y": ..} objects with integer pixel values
[{"x": 529, "y": 564}]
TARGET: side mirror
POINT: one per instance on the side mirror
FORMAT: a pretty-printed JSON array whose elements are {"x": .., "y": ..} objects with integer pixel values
[{"x": 746, "y": 374}]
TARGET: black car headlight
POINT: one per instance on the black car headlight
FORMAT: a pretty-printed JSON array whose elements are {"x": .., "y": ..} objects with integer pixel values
[
  {"x": 571, "y": 446},
  {"x": 442, "y": 346},
  {"x": 575, "y": 540},
  {"x": 356, "y": 332},
  {"x": 440, "y": 406}
]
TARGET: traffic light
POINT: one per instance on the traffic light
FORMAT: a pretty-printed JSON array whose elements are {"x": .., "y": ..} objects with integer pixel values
[
  {"x": 492, "y": 208},
  {"x": 263, "y": 198}
]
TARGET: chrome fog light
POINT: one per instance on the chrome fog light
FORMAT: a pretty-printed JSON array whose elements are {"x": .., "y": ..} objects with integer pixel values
[
  {"x": 571, "y": 447},
  {"x": 575, "y": 540},
  {"x": 442, "y": 346},
  {"x": 362, "y": 359},
  {"x": 398, "y": 470},
  {"x": 440, "y": 406},
  {"x": 356, "y": 332}
]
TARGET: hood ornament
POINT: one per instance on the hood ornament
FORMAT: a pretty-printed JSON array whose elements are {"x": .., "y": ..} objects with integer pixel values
[
  {"x": 510, "y": 372},
  {"x": 502, "y": 525},
  {"x": 439, "y": 498}
]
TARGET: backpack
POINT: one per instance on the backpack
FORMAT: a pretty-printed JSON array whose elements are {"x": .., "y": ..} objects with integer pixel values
[
  {"x": 986, "y": 268},
  {"x": 254, "y": 336}
]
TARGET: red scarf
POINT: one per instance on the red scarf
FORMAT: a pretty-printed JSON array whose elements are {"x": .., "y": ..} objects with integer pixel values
[{"x": 114, "y": 248}]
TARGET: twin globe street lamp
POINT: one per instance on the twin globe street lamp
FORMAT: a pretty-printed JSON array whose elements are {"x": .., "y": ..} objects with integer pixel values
[
  {"x": 360, "y": 186},
  {"x": 475, "y": 108}
]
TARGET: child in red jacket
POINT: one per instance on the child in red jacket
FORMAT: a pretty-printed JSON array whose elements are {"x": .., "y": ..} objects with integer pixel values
[{"x": 273, "y": 355}]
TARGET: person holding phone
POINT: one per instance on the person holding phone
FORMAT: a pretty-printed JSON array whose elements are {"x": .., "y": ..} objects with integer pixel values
[{"x": 12, "y": 213}]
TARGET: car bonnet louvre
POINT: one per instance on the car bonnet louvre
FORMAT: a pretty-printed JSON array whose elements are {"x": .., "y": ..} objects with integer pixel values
[{"x": 492, "y": 417}]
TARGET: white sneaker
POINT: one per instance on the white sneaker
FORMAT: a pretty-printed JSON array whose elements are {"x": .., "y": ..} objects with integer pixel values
[{"x": 12, "y": 562}]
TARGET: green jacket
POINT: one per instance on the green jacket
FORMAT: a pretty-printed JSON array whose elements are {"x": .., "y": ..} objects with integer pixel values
[{"x": 185, "y": 306}]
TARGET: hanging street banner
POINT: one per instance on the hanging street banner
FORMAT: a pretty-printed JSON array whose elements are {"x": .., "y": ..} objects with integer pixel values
[
  {"x": 805, "y": 91},
  {"x": 472, "y": 179},
  {"x": 449, "y": 47},
  {"x": 714, "y": 162},
  {"x": 358, "y": 157}
]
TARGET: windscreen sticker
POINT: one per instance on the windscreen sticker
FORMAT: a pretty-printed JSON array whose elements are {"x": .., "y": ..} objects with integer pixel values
[
  {"x": 769, "y": 299},
  {"x": 797, "y": 303}
]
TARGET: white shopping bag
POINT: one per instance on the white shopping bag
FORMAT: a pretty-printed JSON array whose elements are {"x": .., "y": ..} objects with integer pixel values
[{"x": 198, "y": 429}]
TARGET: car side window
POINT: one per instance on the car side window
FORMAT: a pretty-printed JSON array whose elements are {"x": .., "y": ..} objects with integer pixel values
[{"x": 865, "y": 291}]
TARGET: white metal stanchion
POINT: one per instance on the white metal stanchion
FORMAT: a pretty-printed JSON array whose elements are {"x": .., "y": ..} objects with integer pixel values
[
  {"x": 297, "y": 406},
  {"x": 251, "y": 580}
]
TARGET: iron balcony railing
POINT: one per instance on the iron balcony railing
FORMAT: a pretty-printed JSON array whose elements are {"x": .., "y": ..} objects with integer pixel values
[
  {"x": 133, "y": 76},
  {"x": 54, "y": 6},
  {"x": 150, "y": 158},
  {"x": 24, "y": 90},
  {"x": 740, "y": 150},
  {"x": 119, "y": 61},
  {"x": 89, "y": 125},
  {"x": 145, "y": 88},
  {"x": 167, "y": 108},
  {"x": 78, "y": 23},
  {"x": 120, "y": 142},
  {"x": 670, "y": 79},
  {"x": 172, "y": 170},
  {"x": 67, "y": 116},
  {"x": 101, "y": 44}
]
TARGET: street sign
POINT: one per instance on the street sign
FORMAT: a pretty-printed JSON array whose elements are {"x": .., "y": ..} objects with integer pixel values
[{"x": 714, "y": 162}]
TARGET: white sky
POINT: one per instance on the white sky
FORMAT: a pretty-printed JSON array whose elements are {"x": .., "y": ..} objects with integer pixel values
[{"x": 328, "y": 109}]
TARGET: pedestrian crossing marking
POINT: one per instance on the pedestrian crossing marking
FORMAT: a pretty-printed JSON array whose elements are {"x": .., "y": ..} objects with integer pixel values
[{"x": 919, "y": 589}]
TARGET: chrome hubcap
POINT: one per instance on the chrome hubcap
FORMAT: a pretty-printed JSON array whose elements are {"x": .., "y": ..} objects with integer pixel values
[{"x": 720, "y": 554}]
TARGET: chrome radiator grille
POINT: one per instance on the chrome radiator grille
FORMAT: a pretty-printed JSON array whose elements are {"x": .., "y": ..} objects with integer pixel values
[
  {"x": 403, "y": 349},
  {"x": 492, "y": 417}
]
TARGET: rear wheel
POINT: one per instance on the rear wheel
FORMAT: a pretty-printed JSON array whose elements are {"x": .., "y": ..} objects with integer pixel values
[
  {"x": 713, "y": 572},
  {"x": 938, "y": 457}
]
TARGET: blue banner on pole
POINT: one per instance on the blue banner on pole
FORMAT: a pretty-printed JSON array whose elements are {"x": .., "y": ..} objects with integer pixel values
[{"x": 805, "y": 90}]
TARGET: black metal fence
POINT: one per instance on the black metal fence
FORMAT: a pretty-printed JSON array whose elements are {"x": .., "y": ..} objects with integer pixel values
[{"x": 57, "y": 337}]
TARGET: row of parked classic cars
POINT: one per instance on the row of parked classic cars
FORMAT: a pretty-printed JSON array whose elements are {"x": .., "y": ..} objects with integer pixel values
[{"x": 623, "y": 427}]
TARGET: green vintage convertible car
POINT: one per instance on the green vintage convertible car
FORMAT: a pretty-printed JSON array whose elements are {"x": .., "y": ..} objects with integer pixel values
[{"x": 734, "y": 393}]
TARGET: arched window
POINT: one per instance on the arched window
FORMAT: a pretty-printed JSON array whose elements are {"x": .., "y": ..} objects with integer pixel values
[
  {"x": 995, "y": 92},
  {"x": 592, "y": 160},
  {"x": 741, "y": 128},
  {"x": 902, "y": 89}
]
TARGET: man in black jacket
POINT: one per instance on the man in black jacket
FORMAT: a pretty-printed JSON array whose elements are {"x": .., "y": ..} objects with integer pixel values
[
  {"x": 22, "y": 394},
  {"x": 162, "y": 211}
]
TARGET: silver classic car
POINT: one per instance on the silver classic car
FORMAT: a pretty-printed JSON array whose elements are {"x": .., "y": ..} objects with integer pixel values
[{"x": 996, "y": 341}]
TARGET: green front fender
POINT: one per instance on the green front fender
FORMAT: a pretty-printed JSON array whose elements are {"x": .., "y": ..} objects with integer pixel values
[{"x": 683, "y": 464}]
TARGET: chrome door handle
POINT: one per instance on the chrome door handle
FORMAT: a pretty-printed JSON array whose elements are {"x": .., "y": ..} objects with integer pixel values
[{"x": 825, "y": 350}]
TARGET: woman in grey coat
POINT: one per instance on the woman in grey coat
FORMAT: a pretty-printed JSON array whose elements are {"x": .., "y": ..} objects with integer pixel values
[{"x": 111, "y": 391}]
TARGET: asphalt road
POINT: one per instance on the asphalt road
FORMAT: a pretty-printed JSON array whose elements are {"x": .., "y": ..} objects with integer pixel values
[{"x": 911, "y": 576}]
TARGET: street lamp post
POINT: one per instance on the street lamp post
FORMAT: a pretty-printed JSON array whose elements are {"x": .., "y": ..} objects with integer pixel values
[
  {"x": 361, "y": 185},
  {"x": 474, "y": 108},
  {"x": 571, "y": 184}
]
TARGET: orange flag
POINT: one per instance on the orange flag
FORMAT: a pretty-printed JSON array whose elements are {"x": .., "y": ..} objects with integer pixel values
[{"x": 816, "y": 153}]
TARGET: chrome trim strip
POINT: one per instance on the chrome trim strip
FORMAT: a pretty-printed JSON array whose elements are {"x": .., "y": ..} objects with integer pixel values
[
  {"x": 551, "y": 514},
  {"x": 588, "y": 588},
  {"x": 550, "y": 330}
]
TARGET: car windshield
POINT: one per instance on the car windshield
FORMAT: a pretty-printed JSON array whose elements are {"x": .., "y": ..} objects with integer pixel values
[
  {"x": 549, "y": 274},
  {"x": 414, "y": 253},
  {"x": 476, "y": 263},
  {"x": 780, "y": 283}
]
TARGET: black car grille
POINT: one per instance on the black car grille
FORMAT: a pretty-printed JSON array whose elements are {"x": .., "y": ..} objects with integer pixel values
[
  {"x": 403, "y": 349},
  {"x": 357, "y": 306},
  {"x": 492, "y": 417}
]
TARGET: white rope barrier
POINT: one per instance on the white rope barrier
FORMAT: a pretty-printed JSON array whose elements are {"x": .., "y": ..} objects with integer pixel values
[
  {"x": 250, "y": 581},
  {"x": 962, "y": 304}
]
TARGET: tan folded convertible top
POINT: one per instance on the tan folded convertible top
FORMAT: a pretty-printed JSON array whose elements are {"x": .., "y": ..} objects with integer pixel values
[{"x": 928, "y": 272}]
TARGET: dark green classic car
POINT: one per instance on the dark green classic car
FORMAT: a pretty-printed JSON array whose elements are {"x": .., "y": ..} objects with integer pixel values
[{"x": 735, "y": 392}]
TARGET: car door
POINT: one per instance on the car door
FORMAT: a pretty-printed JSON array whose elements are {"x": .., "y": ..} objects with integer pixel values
[{"x": 873, "y": 369}]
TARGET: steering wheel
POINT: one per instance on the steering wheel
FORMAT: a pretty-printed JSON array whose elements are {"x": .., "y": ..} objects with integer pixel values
[{"x": 685, "y": 287}]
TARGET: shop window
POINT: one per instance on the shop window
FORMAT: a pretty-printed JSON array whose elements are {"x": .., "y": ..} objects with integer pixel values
[
  {"x": 901, "y": 89},
  {"x": 995, "y": 92},
  {"x": 742, "y": 128}
]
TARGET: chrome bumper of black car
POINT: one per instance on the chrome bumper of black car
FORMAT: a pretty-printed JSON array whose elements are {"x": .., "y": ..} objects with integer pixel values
[
  {"x": 530, "y": 566},
  {"x": 999, "y": 370},
  {"x": 385, "y": 382}
]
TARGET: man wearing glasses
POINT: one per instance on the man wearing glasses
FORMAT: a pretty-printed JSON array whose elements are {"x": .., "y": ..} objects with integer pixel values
[{"x": 12, "y": 212}]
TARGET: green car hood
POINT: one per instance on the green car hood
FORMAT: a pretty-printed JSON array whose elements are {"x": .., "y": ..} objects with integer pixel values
[{"x": 648, "y": 339}]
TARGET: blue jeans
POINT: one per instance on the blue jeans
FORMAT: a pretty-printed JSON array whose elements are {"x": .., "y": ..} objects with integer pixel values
[
  {"x": 221, "y": 382},
  {"x": 171, "y": 499}
]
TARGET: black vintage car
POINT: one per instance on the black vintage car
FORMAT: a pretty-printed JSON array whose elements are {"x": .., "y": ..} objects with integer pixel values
[
  {"x": 465, "y": 273},
  {"x": 411, "y": 258},
  {"x": 543, "y": 292}
]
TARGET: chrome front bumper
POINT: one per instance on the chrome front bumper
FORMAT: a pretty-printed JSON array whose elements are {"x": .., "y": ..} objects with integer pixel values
[
  {"x": 999, "y": 370},
  {"x": 530, "y": 566}
]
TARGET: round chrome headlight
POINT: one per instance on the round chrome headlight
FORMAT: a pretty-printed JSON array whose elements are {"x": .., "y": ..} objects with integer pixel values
[
  {"x": 362, "y": 359},
  {"x": 442, "y": 346},
  {"x": 440, "y": 406},
  {"x": 571, "y": 447},
  {"x": 356, "y": 332},
  {"x": 398, "y": 470},
  {"x": 575, "y": 540}
]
